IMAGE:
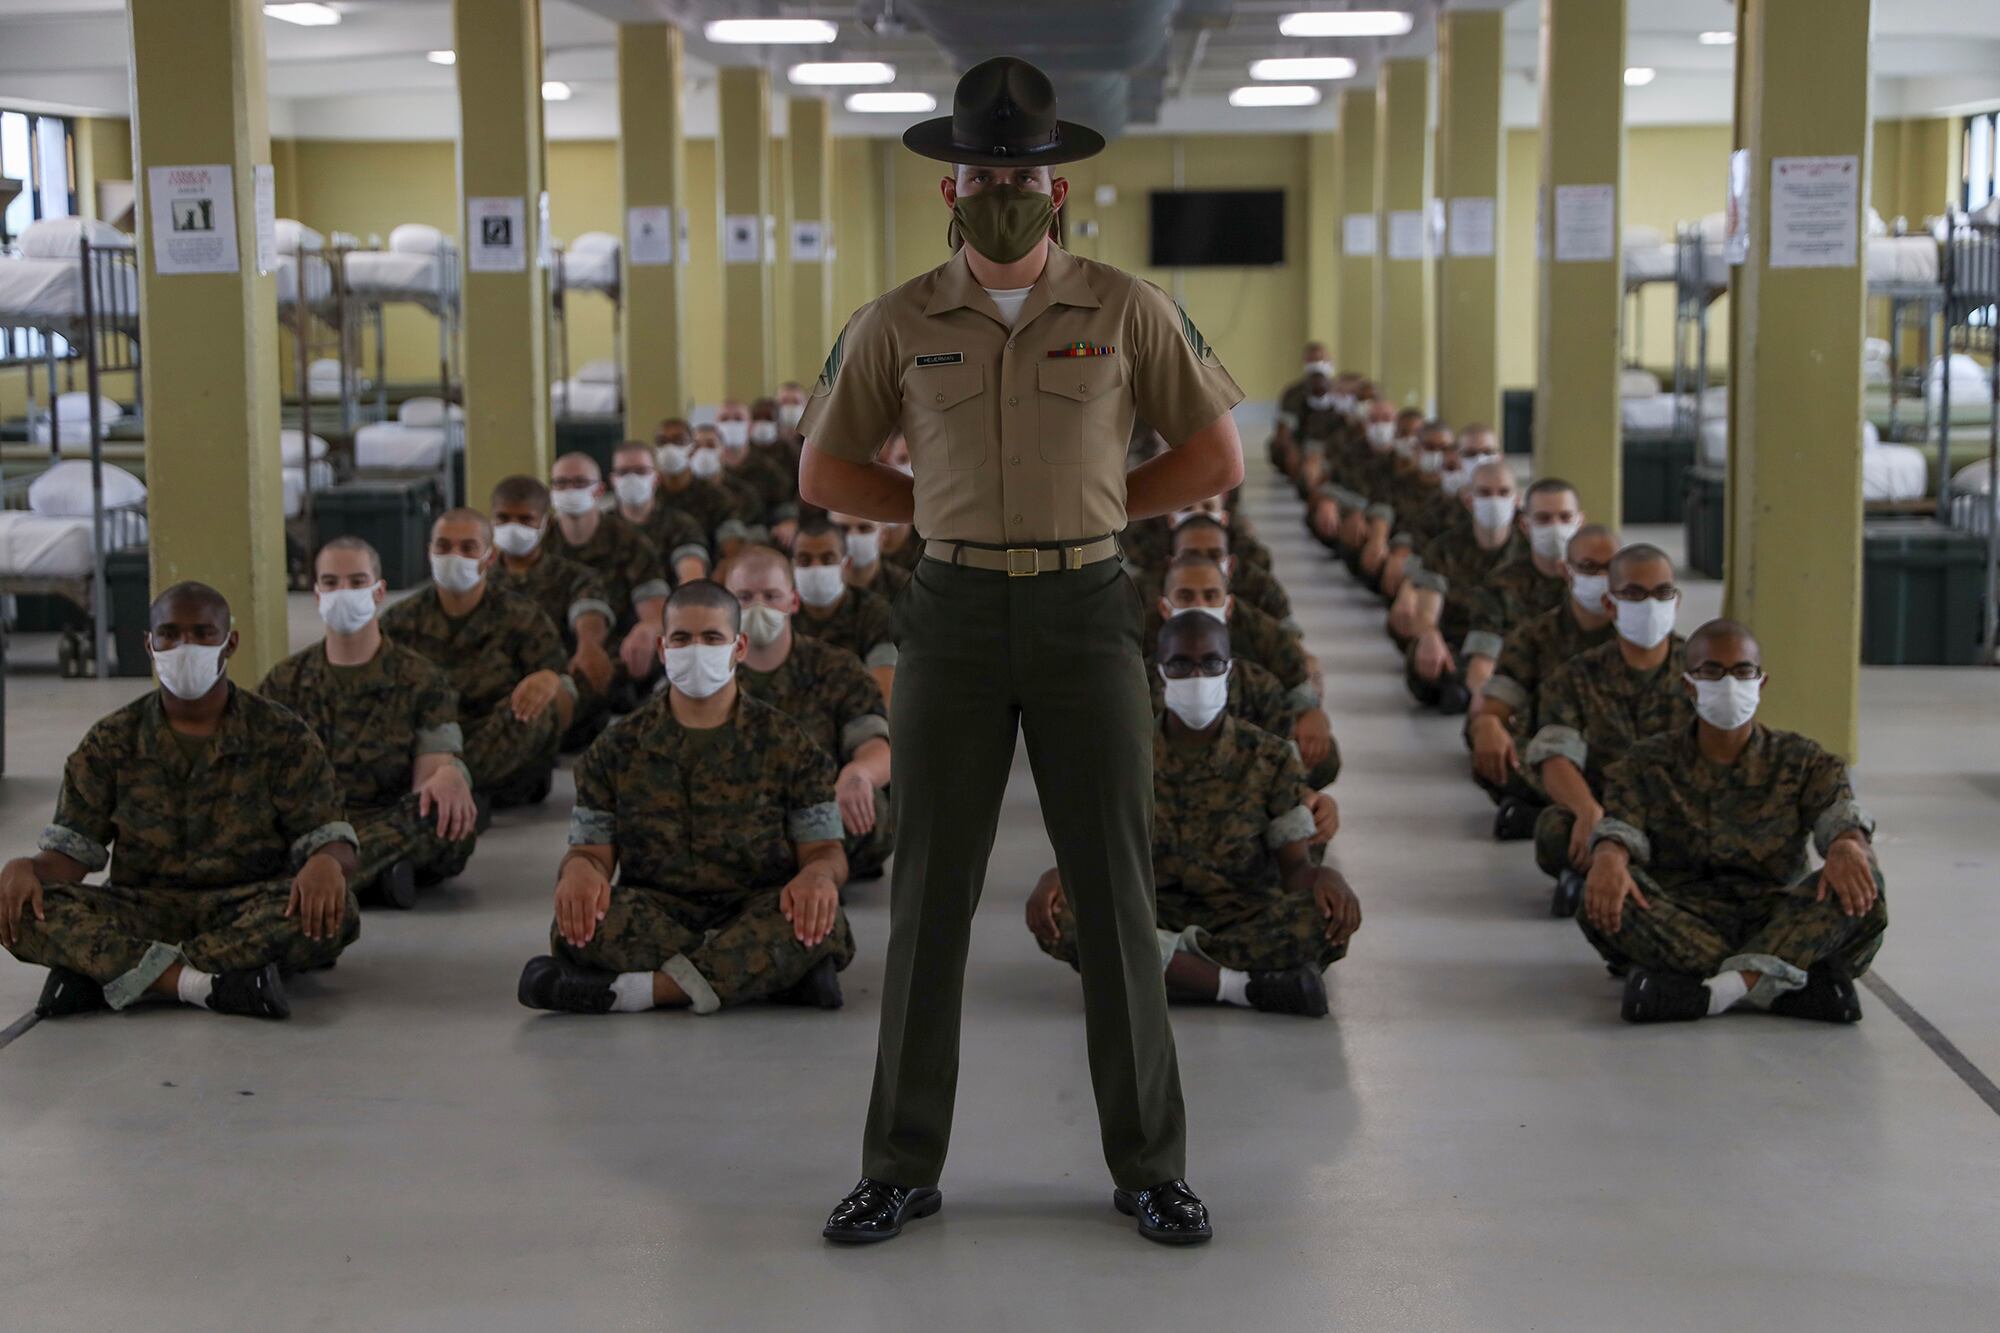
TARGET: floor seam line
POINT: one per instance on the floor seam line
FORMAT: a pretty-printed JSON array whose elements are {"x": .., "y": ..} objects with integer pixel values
[{"x": 1940, "y": 1045}]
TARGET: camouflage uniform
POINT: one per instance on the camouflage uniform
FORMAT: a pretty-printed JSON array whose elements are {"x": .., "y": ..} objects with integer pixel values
[
  {"x": 890, "y": 580},
  {"x": 1147, "y": 544},
  {"x": 1456, "y": 566},
  {"x": 710, "y": 504},
  {"x": 626, "y": 562},
  {"x": 202, "y": 847},
  {"x": 859, "y": 622},
  {"x": 565, "y": 589},
  {"x": 1511, "y": 596},
  {"x": 1530, "y": 656},
  {"x": 1221, "y": 810},
  {"x": 837, "y": 703},
  {"x": 1421, "y": 524},
  {"x": 504, "y": 640},
  {"x": 705, "y": 825},
  {"x": 677, "y": 535},
  {"x": 763, "y": 474},
  {"x": 375, "y": 720},
  {"x": 1594, "y": 709},
  {"x": 1720, "y": 853},
  {"x": 1247, "y": 583},
  {"x": 1255, "y": 637},
  {"x": 1256, "y": 698}
]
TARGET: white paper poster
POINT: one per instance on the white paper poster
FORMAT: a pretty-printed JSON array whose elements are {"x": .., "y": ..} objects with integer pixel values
[
  {"x": 193, "y": 211},
  {"x": 808, "y": 242},
  {"x": 264, "y": 194},
  {"x": 1736, "y": 243},
  {"x": 497, "y": 229},
  {"x": 1585, "y": 230},
  {"x": 742, "y": 238},
  {"x": 545, "y": 237},
  {"x": 1357, "y": 235},
  {"x": 1406, "y": 235},
  {"x": 1469, "y": 231},
  {"x": 1815, "y": 211},
  {"x": 649, "y": 235}
]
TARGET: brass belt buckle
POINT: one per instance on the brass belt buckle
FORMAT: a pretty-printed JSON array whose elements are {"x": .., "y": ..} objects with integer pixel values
[{"x": 1016, "y": 569}]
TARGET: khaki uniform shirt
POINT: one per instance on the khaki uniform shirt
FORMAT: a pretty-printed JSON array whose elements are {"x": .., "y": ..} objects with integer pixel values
[{"x": 1009, "y": 444}]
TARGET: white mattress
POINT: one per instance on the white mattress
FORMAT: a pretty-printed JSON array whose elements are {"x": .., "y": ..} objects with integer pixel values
[
  {"x": 584, "y": 397},
  {"x": 1660, "y": 412},
  {"x": 65, "y": 490},
  {"x": 43, "y": 547},
  {"x": 590, "y": 270},
  {"x": 1894, "y": 472},
  {"x": 318, "y": 279},
  {"x": 1902, "y": 259},
  {"x": 291, "y": 447},
  {"x": 1713, "y": 448},
  {"x": 50, "y": 291},
  {"x": 73, "y": 413},
  {"x": 391, "y": 275},
  {"x": 1648, "y": 262},
  {"x": 395, "y": 446},
  {"x": 295, "y": 486}
]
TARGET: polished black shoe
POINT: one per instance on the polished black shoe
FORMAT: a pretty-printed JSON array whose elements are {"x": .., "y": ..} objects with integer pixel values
[
  {"x": 875, "y": 1210},
  {"x": 819, "y": 988},
  {"x": 67, "y": 992},
  {"x": 253, "y": 992},
  {"x": 562, "y": 986},
  {"x": 1171, "y": 1213},
  {"x": 1296, "y": 990},
  {"x": 1514, "y": 821},
  {"x": 397, "y": 886},
  {"x": 1453, "y": 697},
  {"x": 1823, "y": 999},
  {"x": 1568, "y": 895},
  {"x": 1663, "y": 997}
]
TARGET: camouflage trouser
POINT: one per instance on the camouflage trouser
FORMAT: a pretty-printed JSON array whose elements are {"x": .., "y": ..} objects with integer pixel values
[
  {"x": 721, "y": 948},
  {"x": 1553, "y": 829},
  {"x": 1254, "y": 932},
  {"x": 500, "y": 749},
  {"x": 124, "y": 938},
  {"x": 868, "y": 853},
  {"x": 1780, "y": 932},
  {"x": 1327, "y": 770},
  {"x": 398, "y": 833},
  {"x": 1521, "y": 784}
]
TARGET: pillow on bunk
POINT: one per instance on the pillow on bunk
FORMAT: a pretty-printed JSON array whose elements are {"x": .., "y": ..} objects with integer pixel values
[
  {"x": 291, "y": 445},
  {"x": 427, "y": 412},
  {"x": 1636, "y": 383},
  {"x": 75, "y": 406},
  {"x": 1990, "y": 214},
  {"x": 1968, "y": 378},
  {"x": 1875, "y": 349},
  {"x": 416, "y": 238},
  {"x": 1871, "y": 438},
  {"x": 62, "y": 238},
  {"x": 1644, "y": 238},
  {"x": 64, "y": 490},
  {"x": 1876, "y": 226},
  {"x": 597, "y": 372},
  {"x": 295, "y": 236},
  {"x": 1972, "y": 479},
  {"x": 594, "y": 242},
  {"x": 1714, "y": 228}
]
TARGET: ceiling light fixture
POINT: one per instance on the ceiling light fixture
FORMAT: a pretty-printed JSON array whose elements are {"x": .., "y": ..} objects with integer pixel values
[
  {"x": 769, "y": 32},
  {"x": 1275, "y": 94},
  {"x": 1638, "y": 76},
  {"x": 1303, "y": 67},
  {"x": 1719, "y": 38},
  {"x": 1349, "y": 23},
  {"x": 891, "y": 102},
  {"x": 305, "y": 15},
  {"x": 832, "y": 72},
  {"x": 442, "y": 57},
  {"x": 555, "y": 90}
]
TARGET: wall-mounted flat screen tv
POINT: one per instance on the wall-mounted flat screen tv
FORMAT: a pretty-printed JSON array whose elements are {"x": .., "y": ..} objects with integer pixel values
[{"x": 1218, "y": 228}]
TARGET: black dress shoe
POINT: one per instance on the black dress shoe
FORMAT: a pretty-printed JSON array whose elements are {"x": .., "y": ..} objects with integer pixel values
[
  {"x": 875, "y": 1210},
  {"x": 562, "y": 986},
  {"x": 1663, "y": 997},
  {"x": 252, "y": 992},
  {"x": 397, "y": 886},
  {"x": 819, "y": 988},
  {"x": 1824, "y": 998},
  {"x": 1515, "y": 821},
  {"x": 1171, "y": 1213},
  {"x": 1568, "y": 895},
  {"x": 67, "y": 992},
  {"x": 1296, "y": 990}
]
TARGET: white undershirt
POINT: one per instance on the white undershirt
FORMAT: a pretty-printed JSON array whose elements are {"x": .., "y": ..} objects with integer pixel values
[{"x": 1010, "y": 300}]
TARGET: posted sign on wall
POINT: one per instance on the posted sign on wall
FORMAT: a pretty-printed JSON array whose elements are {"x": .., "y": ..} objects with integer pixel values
[{"x": 193, "y": 211}]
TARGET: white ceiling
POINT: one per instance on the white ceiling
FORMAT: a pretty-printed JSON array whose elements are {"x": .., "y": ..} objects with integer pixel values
[{"x": 367, "y": 77}]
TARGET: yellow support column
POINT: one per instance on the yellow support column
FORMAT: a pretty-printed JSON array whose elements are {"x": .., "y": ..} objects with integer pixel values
[
  {"x": 1403, "y": 298},
  {"x": 807, "y": 237},
  {"x": 1323, "y": 235},
  {"x": 743, "y": 171},
  {"x": 504, "y": 330},
  {"x": 652, "y": 182},
  {"x": 1470, "y": 143},
  {"x": 1355, "y": 300},
  {"x": 208, "y": 319},
  {"x": 1794, "y": 493},
  {"x": 1581, "y": 267}
]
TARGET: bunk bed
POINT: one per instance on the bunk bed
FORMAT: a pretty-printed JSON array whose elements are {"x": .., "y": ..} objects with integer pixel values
[
  {"x": 1970, "y": 307},
  {"x": 310, "y": 311},
  {"x": 419, "y": 267},
  {"x": 588, "y": 264}
]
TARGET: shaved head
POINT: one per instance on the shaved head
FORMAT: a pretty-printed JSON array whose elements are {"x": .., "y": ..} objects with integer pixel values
[
  {"x": 1725, "y": 641},
  {"x": 1192, "y": 634},
  {"x": 190, "y": 601}
]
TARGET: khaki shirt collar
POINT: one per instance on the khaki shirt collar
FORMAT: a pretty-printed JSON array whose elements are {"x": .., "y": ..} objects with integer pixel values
[{"x": 1062, "y": 283}]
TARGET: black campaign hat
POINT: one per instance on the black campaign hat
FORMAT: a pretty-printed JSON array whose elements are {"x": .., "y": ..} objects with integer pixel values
[{"x": 1003, "y": 115}]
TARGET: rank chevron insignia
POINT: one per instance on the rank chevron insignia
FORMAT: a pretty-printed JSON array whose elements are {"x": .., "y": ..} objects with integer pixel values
[
  {"x": 1194, "y": 339},
  {"x": 831, "y": 370}
]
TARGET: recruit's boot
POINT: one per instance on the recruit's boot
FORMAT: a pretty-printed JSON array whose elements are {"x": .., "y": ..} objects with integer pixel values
[
  {"x": 819, "y": 988},
  {"x": 560, "y": 985},
  {"x": 1296, "y": 990},
  {"x": 251, "y": 992},
  {"x": 1514, "y": 821},
  {"x": 397, "y": 886},
  {"x": 66, "y": 992},
  {"x": 1824, "y": 998},
  {"x": 1663, "y": 997},
  {"x": 1568, "y": 895}
]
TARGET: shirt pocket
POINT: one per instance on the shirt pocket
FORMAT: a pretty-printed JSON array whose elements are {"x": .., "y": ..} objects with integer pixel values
[
  {"x": 1078, "y": 401},
  {"x": 949, "y": 417}
]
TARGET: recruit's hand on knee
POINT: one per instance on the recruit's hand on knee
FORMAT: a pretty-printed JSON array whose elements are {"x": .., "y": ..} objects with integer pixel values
[
  {"x": 446, "y": 792},
  {"x": 1433, "y": 657},
  {"x": 1337, "y": 905},
  {"x": 639, "y": 650},
  {"x": 1494, "y": 757},
  {"x": 1046, "y": 904},
  {"x": 1850, "y": 874},
  {"x": 855, "y": 791},
  {"x": 20, "y": 892},
  {"x": 319, "y": 897},
  {"x": 1314, "y": 735},
  {"x": 1326, "y": 816},
  {"x": 593, "y": 664},
  {"x": 533, "y": 695},
  {"x": 1579, "y": 836},
  {"x": 810, "y": 903},
  {"x": 583, "y": 896},
  {"x": 1609, "y": 885}
]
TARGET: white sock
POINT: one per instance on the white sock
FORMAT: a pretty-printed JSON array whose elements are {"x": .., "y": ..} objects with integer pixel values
[
  {"x": 1724, "y": 991},
  {"x": 194, "y": 986},
  {"x": 1233, "y": 987},
  {"x": 632, "y": 993}
]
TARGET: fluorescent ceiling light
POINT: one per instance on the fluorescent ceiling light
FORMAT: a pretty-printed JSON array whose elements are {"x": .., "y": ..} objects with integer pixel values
[
  {"x": 842, "y": 72},
  {"x": 1303, "y": 67},
  {"x": 904, "y": 102},
  {"x": 1638, "y": 76},
  {"x": 555, "y": 90},
  {"x": 769, "y": 32},
  {"x": 305, "y": 15},
  {"x": 1717, "y": 39},
  {"x": 442, "y": 57},
  {"x": 1349, "y": 23},
  {"x": 1275, "y": 94}
]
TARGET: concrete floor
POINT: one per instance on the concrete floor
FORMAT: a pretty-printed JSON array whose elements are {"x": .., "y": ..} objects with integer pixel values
[{"x": 1472, "y": 1141}]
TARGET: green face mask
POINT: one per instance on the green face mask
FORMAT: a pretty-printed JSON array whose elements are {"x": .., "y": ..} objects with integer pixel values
[{"x": 1002, "y": 222}]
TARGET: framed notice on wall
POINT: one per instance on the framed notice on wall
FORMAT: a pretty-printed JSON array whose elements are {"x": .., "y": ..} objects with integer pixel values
[{"x": 194, "y": 219}]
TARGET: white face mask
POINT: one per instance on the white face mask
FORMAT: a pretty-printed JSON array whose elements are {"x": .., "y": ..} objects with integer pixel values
[
  {"x": 1430, "y": 461},
  {"x": 735, "y": 434},
  {"x": 864, "y": 548},
  {"x": 1198, "y": 700},
  {"x": 573, "y": 503},
  {"x": 1493, "y": 513},
  {"x": 1728, "y": 703},
  {"x": 1454, "y": 482},
  {"x": 189, "y": 671},
  {"x": 707, "y": 464},
  {"x": 790, "y": 413},
  {"x": 762, "y": 625},
  {"x": 820, "y": 585},
  {"x": 1405, "y": 446},
  {"x": 1645, "y": 624},
  {"x": 633, "y": 488},
  {"x": 1590, "y": 591},
  {"x": 1320, "y": 402},
  {"x": 456, "y": 573},
  {"x": 763, "y": 432},
  {"x": 700, "y": 669},
  {"x": 348, "y": 610},
  {"x": 1343, "y": 403},
  {"x": 673, "y": 459},
  {"x": 1550, "y": 541},
  {"x": 516, "y": 539},
  {"x": 1381, "y": 434}
]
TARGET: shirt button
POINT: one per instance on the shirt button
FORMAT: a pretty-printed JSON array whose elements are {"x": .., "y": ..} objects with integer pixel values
[
  {"x": 1010, "y": 342},
  {"x": 1083, "y": 388},
  {"x": 1017, "y": 518},
  {"x": 940, "y": 398},
  {"x": 1013, "y": 402},
  {"x": 1017, "y": 460}
]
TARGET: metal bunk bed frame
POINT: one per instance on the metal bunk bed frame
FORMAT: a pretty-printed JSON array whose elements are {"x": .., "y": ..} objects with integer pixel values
[
  {"x": 357, "y": 313},
  {"x": 559, "y": 290},
  {"x": 1969, "y": 303}
]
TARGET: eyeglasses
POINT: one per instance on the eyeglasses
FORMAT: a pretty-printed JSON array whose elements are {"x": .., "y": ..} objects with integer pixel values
[
  {"x": 1713, "y": 671},
  {"x": 1184, "y": 668},
  {"x": 1589, "y": 567},
  {"x": 1632, "y": 592}
]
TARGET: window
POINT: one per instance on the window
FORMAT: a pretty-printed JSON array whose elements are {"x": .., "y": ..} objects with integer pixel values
[
  {"x": 35, "y": 150},
  {"x": 1982, "y": 160}
]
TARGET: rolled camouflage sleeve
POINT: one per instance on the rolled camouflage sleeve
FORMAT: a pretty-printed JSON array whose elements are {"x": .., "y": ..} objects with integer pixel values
[
  {"x": 690, "y": 551},
  {"x": 1347, "y": 497},
  {"x": 590, "y": 606},
  {"x": 83, "y": 829},
  {"x": 1632, "y": 839},
  {"x": 1484, "y": 643},
  {"x": 1506, "y": 690},
  {"x": 811, "y": 812},
  {"x": 1383, "y": 511},
  {"x": 1425, "y": 574},
  {"x": 593, "y": 821},
  {"x": 1827, "y": 799},
  {"x": 1624, "y": 813},
  {"x": 1556, "y": 742},
  {"x": 864, "y": 716},
  {"x": 883, "y": 654}
]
